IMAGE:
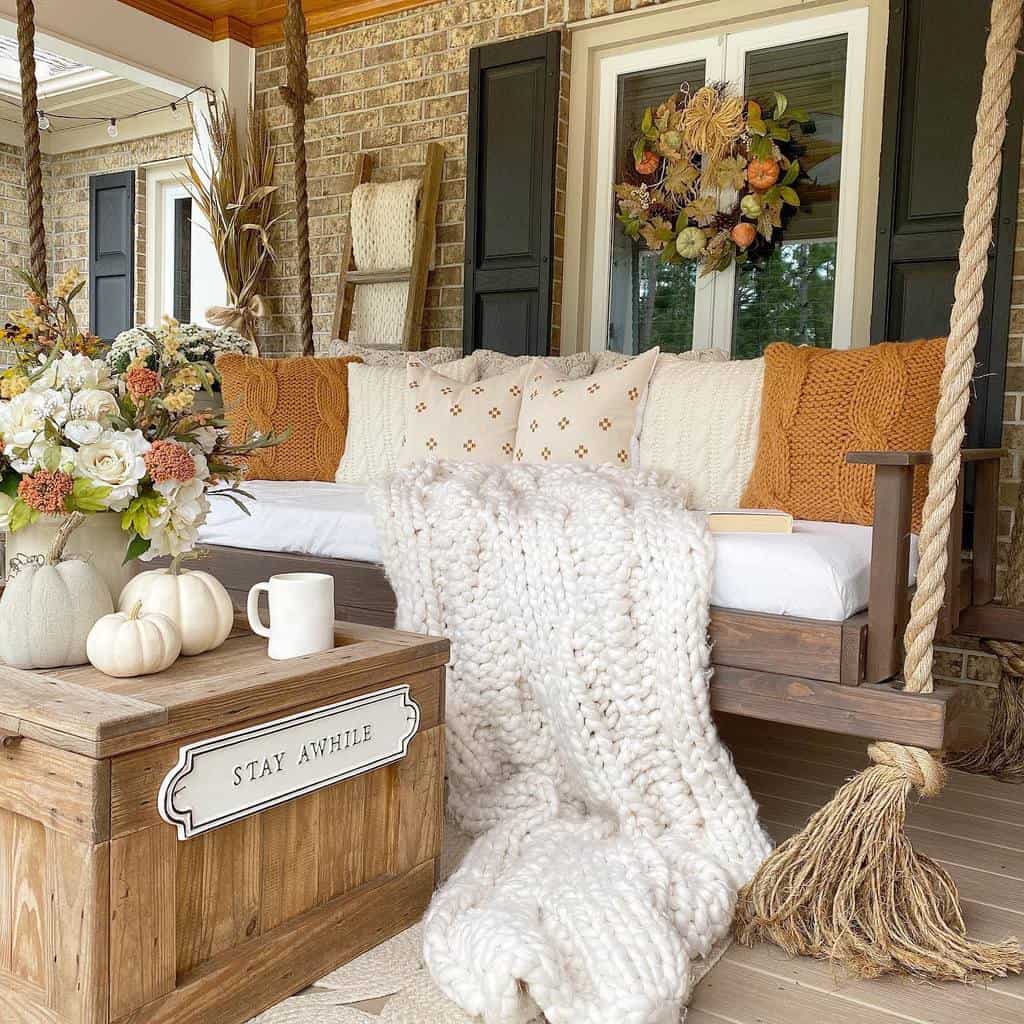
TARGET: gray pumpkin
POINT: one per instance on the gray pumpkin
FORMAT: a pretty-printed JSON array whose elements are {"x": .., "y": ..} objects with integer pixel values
[{"x": 47, "y": 610}]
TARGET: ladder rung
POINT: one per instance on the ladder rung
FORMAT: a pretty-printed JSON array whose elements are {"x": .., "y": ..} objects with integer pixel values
[{"x": 377, "y": 276}]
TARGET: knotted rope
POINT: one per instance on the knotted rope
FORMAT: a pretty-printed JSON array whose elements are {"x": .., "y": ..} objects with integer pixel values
[
  {"x": 968, "y": 300},
  {"x": 30, "y": 125},
  {"x": 296, "y": 95}
]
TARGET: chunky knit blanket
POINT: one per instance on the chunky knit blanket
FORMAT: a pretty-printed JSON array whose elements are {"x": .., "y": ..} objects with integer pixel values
[{"x": 613, "y": 829}]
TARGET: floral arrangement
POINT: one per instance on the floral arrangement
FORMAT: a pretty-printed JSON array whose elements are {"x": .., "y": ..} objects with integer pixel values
[
  {"x": 713, "y": 177},
  {"x": 196, "y": 343},
  {"x": 77, "y": 436}
]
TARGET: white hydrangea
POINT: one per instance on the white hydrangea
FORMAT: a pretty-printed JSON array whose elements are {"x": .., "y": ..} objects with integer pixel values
[{"x": 175, "y": 529}]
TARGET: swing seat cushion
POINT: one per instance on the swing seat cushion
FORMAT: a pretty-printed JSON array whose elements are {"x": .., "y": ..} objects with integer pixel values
[
  {"x": 819, "y": 571},
  {"x": 819, "y": 404}
]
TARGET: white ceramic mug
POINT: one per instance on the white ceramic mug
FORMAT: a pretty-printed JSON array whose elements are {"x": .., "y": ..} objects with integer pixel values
[{"x": 301, "y": 613}]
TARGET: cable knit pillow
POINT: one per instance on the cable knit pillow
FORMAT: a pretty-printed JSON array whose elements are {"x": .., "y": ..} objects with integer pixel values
[
  {"x": 595, "y": 419},
  {"x": 393, "y": 356},
  {"x": 471, "y": 422},
  {"x": 700, "y": 423},
  {"x": 305, "y": 395},
  {"x": 376, "y": 424},
  {"x": 819, "y": 404},
  {"x": 608, "y": 360},
  {"x": 580, "y": 364}
]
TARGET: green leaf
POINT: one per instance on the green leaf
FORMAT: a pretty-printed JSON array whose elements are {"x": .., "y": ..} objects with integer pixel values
[
  {"x": 753, "y": 111},
  {"x": 136, "y": 546},
  {"x": 792, "y": 173},
  {"x": 781, "y": 103},
  {"x": 789, "y": 196},
  {"x": 799, "y": 116},
  {"x": 782, "y": 134},
  {"x": 87, "y": 497},
  {"x": 638, "y": 150},
  {"x": 9, "y": 483},
  {"x": 648, "y": 120},
  {"x": 757, "y": 126},
  {"x": 51, "y": 458},
  {"x": 20, "y": 516},
  {"x": 136, "y": 517},
  {"x": 761, "y": 148}
]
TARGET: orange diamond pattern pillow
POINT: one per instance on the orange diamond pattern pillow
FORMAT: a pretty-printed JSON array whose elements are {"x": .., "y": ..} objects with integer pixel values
[
  {"x": 819, "y": 404},
  {"x": 307, "y": 395}
]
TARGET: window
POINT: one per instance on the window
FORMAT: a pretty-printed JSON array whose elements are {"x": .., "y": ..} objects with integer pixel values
[
  {"x": 182, "y": 259},
  {"x": 803, "y": 291}
]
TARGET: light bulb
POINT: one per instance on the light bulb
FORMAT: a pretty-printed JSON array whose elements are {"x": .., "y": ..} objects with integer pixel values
[
  {"x": 176, "y": 112},
  {"x": 112, "y": 128},
  {"x": 44, "y": 121}
]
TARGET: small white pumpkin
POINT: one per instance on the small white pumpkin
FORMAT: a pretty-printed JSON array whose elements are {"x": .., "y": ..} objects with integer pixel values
[
  {"x": 195, "y": 601},
  {"x": 133, "y": 644},
  {"x": 46, "y": 613}
]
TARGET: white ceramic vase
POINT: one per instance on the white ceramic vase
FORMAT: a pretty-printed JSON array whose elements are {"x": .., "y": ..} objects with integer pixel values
[{"x": 99, "y": 539}]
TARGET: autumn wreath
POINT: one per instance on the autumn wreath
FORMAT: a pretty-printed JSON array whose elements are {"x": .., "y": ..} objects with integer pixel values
[{"x": 713, "y": 177}]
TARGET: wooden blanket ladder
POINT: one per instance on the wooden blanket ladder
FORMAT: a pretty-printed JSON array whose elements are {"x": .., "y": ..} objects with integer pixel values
[{"x": 350, "y": 276}]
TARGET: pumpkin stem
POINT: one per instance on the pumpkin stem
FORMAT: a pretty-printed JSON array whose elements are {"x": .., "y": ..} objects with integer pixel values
[
  {"x": 60, "y": 538},
  {"x": 136, "y": 610},
  {"x": 175, "y": 567},
  {"x": 185, "y": 556}
]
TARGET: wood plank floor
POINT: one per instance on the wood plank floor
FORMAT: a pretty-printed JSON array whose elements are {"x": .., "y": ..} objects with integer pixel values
[{"x": 975, "y": 829}]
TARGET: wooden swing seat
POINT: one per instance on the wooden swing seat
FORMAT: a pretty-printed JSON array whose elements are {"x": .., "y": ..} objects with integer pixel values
[{"x": 836, "y": 676}]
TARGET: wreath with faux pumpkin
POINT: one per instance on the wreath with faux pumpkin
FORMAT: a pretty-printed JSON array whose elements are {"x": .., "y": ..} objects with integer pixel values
[{"x": 712, "y": 178}]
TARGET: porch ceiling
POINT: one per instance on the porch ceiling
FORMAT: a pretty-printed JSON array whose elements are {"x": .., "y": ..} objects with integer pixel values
[{"x": 257, "y": 22}]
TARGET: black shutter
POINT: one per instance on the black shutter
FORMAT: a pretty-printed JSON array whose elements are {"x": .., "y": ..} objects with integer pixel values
[
  {"x": 934, "y": 66},
  {"x": 510, "y": 193},
  {"x": 111, "y": 253}
]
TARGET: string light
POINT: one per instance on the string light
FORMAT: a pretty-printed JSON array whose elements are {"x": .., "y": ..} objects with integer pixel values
[
  {"x": 112, "y": 128},
  {"x": 44, "y": 121},
  {"x": 176, "y": 112}
]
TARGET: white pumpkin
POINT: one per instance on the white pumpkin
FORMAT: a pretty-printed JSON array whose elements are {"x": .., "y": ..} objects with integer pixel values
[
  {"x": 133, "y": 643},
  {"x": 196, "y": 602},
  {"x": 46, "y": 613}
]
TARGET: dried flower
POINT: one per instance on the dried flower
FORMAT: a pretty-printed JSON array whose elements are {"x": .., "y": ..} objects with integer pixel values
[
  {"x": 168, "y": 460},
  {"x": 67, "y": 282},
  {"x": 179, "y": 401},
  {"x": 142, "y": 382},
  {"x": 46, "y": 491},
  {"x": 13, "y": 383}
]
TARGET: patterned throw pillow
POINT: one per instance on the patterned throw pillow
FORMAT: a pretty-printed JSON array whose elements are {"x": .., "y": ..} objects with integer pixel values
[
  {"x": 470, "y": 422},
  {"x": 608, "y": 360},
  {"x": 376, "y": 426},
  {"x": 394, "y": 356},
  {"x": 492, "y": 364},
  {"x": 305, "y": 395},
  {"x": 594, "y": 420},
  {"x": 820, "y": 404}
]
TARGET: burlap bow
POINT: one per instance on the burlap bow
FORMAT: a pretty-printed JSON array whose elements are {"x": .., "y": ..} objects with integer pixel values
[{"x": 241, "y": 318}]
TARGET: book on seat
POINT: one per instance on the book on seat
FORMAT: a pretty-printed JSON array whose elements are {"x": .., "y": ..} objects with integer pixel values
[{"x": 750, "y": 520}]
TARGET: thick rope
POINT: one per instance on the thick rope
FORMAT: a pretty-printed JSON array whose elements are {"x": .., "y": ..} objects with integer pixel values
[
  {"x": 296, "y": 95},
  {"x": 30, "y": 123},
  {"x": 969, "y": 297}
]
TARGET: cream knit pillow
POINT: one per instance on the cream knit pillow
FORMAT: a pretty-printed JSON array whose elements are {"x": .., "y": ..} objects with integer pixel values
[
  {"x": 580, "y": 364},
  {"x": 594, "y": 420},
  {"x": 701, "y": 424},
  {"x": 608, "y": 360},
  {"x": 471, "y": 422},
  {"x": 376, "y": 418},
  {"x": 394, "y": 356}
]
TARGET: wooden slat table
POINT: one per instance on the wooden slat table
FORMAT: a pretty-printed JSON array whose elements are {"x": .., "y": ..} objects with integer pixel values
[{"x": 107, "y": 916}]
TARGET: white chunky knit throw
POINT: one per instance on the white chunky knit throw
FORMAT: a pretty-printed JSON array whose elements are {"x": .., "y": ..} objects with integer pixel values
[
  {"x": 383, "y": 225},
  {"x": 614, "y": 830}
]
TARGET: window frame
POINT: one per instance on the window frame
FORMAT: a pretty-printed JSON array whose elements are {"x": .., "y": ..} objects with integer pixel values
[{"x": 586, "y": 309}]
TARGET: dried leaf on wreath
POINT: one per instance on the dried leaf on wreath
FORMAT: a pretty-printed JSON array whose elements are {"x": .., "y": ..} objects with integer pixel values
[
  {"x": 729, "y": 173},
  {"x": 702, "y": 210},
  {"x": 681, "y": 177},
  {"x": 657, "y": 233}
]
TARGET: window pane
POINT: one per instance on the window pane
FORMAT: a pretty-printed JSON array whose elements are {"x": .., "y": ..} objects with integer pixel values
[
  {"x": 650, "y": 303},
  {"x": 790, "y": 296},
  {"x": 183, "y": 260}
]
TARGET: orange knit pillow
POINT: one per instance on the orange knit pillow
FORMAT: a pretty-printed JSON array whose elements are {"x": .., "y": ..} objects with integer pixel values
[
  {"x": 306, "y": 394},
  {"x": 819, "y": 404}
]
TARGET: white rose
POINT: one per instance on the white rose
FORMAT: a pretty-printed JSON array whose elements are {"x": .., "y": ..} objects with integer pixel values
[
  {"x": 77, "y": 372},
  {"x": 94, "y": 404},
  {"x": 83, "y": 431},
  {"x": 28, "y": 460},
  {"x": 21, "y": 419},
  {"x": 115, "y": 460}
]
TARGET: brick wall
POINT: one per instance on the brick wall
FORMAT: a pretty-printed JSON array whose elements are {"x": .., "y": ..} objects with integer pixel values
[
  {"x": 66, "y": 204},
  {"x": 13, "y": 233}
]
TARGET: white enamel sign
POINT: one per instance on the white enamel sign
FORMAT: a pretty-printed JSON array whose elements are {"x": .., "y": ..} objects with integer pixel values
[{"x": 223, "y": 779}]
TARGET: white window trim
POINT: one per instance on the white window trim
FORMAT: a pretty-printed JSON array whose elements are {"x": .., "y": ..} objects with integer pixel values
[{"x": 596, "y": 65}]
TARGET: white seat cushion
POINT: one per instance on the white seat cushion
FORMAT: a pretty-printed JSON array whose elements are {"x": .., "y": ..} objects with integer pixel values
[{"x": 820, "y": 571}]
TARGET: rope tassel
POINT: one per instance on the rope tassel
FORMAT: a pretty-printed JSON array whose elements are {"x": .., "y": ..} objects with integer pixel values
[
  {"x": 850, "y": 888},
  {"x": 1002, "y": 753}
]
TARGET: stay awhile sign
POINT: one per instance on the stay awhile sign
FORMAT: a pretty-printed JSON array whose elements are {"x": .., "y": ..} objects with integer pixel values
[{"x": 225, "y": 778}]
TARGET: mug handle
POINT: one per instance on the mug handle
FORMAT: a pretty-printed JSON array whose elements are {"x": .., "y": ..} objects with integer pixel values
[{"x": 253, "y": 608}]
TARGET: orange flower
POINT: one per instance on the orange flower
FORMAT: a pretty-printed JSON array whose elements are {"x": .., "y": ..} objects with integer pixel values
[
  {"x": 168, "y": 460},
  {"x": 46, "y": 492},
  {"x": 142, "y": 382}
]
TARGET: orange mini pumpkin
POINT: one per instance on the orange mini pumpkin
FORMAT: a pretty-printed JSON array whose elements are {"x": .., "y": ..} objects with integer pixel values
[
  {"x": 744, "y": 234},
  {"x": 649, "y": 163},
  {"x": 763, "y": 174}
]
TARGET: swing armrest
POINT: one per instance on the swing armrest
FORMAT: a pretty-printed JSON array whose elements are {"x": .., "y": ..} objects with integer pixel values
[{"x": 889, "y": 593}]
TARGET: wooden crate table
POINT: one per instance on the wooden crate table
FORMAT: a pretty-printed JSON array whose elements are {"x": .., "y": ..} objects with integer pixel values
[{"x": 108, "y": 915}]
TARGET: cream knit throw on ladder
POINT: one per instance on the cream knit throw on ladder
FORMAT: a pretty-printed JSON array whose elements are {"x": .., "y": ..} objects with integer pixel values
[{"x": 614, "y": 830}]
